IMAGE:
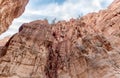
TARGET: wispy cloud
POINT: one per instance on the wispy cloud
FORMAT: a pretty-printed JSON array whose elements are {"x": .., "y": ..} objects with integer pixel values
[
  {"x": 59, "y": 9},
  {"x": 69, "y": 9}
]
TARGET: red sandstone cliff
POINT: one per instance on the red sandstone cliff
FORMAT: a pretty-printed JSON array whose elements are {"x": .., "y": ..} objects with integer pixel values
[
  {"x": 88, "y": 47},
  {"x": 3, "y": 41},
  {"x": 10, "y": 9}
]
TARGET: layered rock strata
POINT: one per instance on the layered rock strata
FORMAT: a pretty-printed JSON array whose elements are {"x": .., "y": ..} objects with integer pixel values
[
  {"x": 10, "y": 9},
  {"x": 87, "y": 47}
]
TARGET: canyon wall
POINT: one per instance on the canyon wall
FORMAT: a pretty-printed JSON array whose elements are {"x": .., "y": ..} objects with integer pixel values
[
  {"x": 10, "y": 9},
  {"x": 86, "y": 47}
]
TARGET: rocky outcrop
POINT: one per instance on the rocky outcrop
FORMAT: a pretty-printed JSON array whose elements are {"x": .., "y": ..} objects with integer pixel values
[
  {"x": 4, "y": 40},
  {"x": 10, "y": 9},
  {"x": 87, "y": 47}
]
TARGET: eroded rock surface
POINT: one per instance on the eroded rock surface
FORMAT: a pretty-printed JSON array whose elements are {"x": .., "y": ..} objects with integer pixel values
[
  {"x": 4, "y": 40},
  {"x": 10, "y": 9},
  {"x": 88, "y": 47}
]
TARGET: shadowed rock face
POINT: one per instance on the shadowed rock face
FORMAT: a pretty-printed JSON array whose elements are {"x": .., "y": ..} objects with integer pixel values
[
  {"x": 10, "y": 9},
  {"x": 88, "y": 47}
]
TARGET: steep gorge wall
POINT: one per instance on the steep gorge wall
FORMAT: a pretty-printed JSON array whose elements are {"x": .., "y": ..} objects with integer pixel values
[
  {"x": 10, "y": 9},
  {"x": 88, "y": 47}
]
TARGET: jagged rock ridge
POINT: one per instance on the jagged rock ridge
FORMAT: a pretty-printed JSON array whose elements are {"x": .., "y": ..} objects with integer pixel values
[
  {"x": 10, "y": 9},
  {"x": 80, "y": 48}
]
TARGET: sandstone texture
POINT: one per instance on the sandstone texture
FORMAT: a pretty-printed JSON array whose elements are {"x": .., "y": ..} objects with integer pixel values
[
  {"x": 87, "y": 47},
  {"x": 10, "y": 9},
  {"x": 4, "y": 40}
]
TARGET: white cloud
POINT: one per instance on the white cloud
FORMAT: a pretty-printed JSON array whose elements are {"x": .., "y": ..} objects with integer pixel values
[{"x": 69, "y": 9}]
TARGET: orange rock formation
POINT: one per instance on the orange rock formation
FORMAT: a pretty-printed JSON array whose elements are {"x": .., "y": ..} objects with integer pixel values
[{"x": 87, "y": 47}]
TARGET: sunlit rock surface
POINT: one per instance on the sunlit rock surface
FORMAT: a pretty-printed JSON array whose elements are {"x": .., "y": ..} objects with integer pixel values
[
  {"x": 4, "y": 40},
  {"x": 10, "y": 9},
  {"x": 87, "y": 47}
]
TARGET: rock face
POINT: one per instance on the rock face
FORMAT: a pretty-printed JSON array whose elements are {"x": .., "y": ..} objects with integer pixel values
[
  {"x": 3, "y": 41},
  {"x": 88, "y": 47},
  {"x": 10, "y": 9}
]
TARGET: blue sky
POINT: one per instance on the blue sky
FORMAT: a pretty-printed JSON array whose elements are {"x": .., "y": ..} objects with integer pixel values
[{"x": 59, "y": 9}]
